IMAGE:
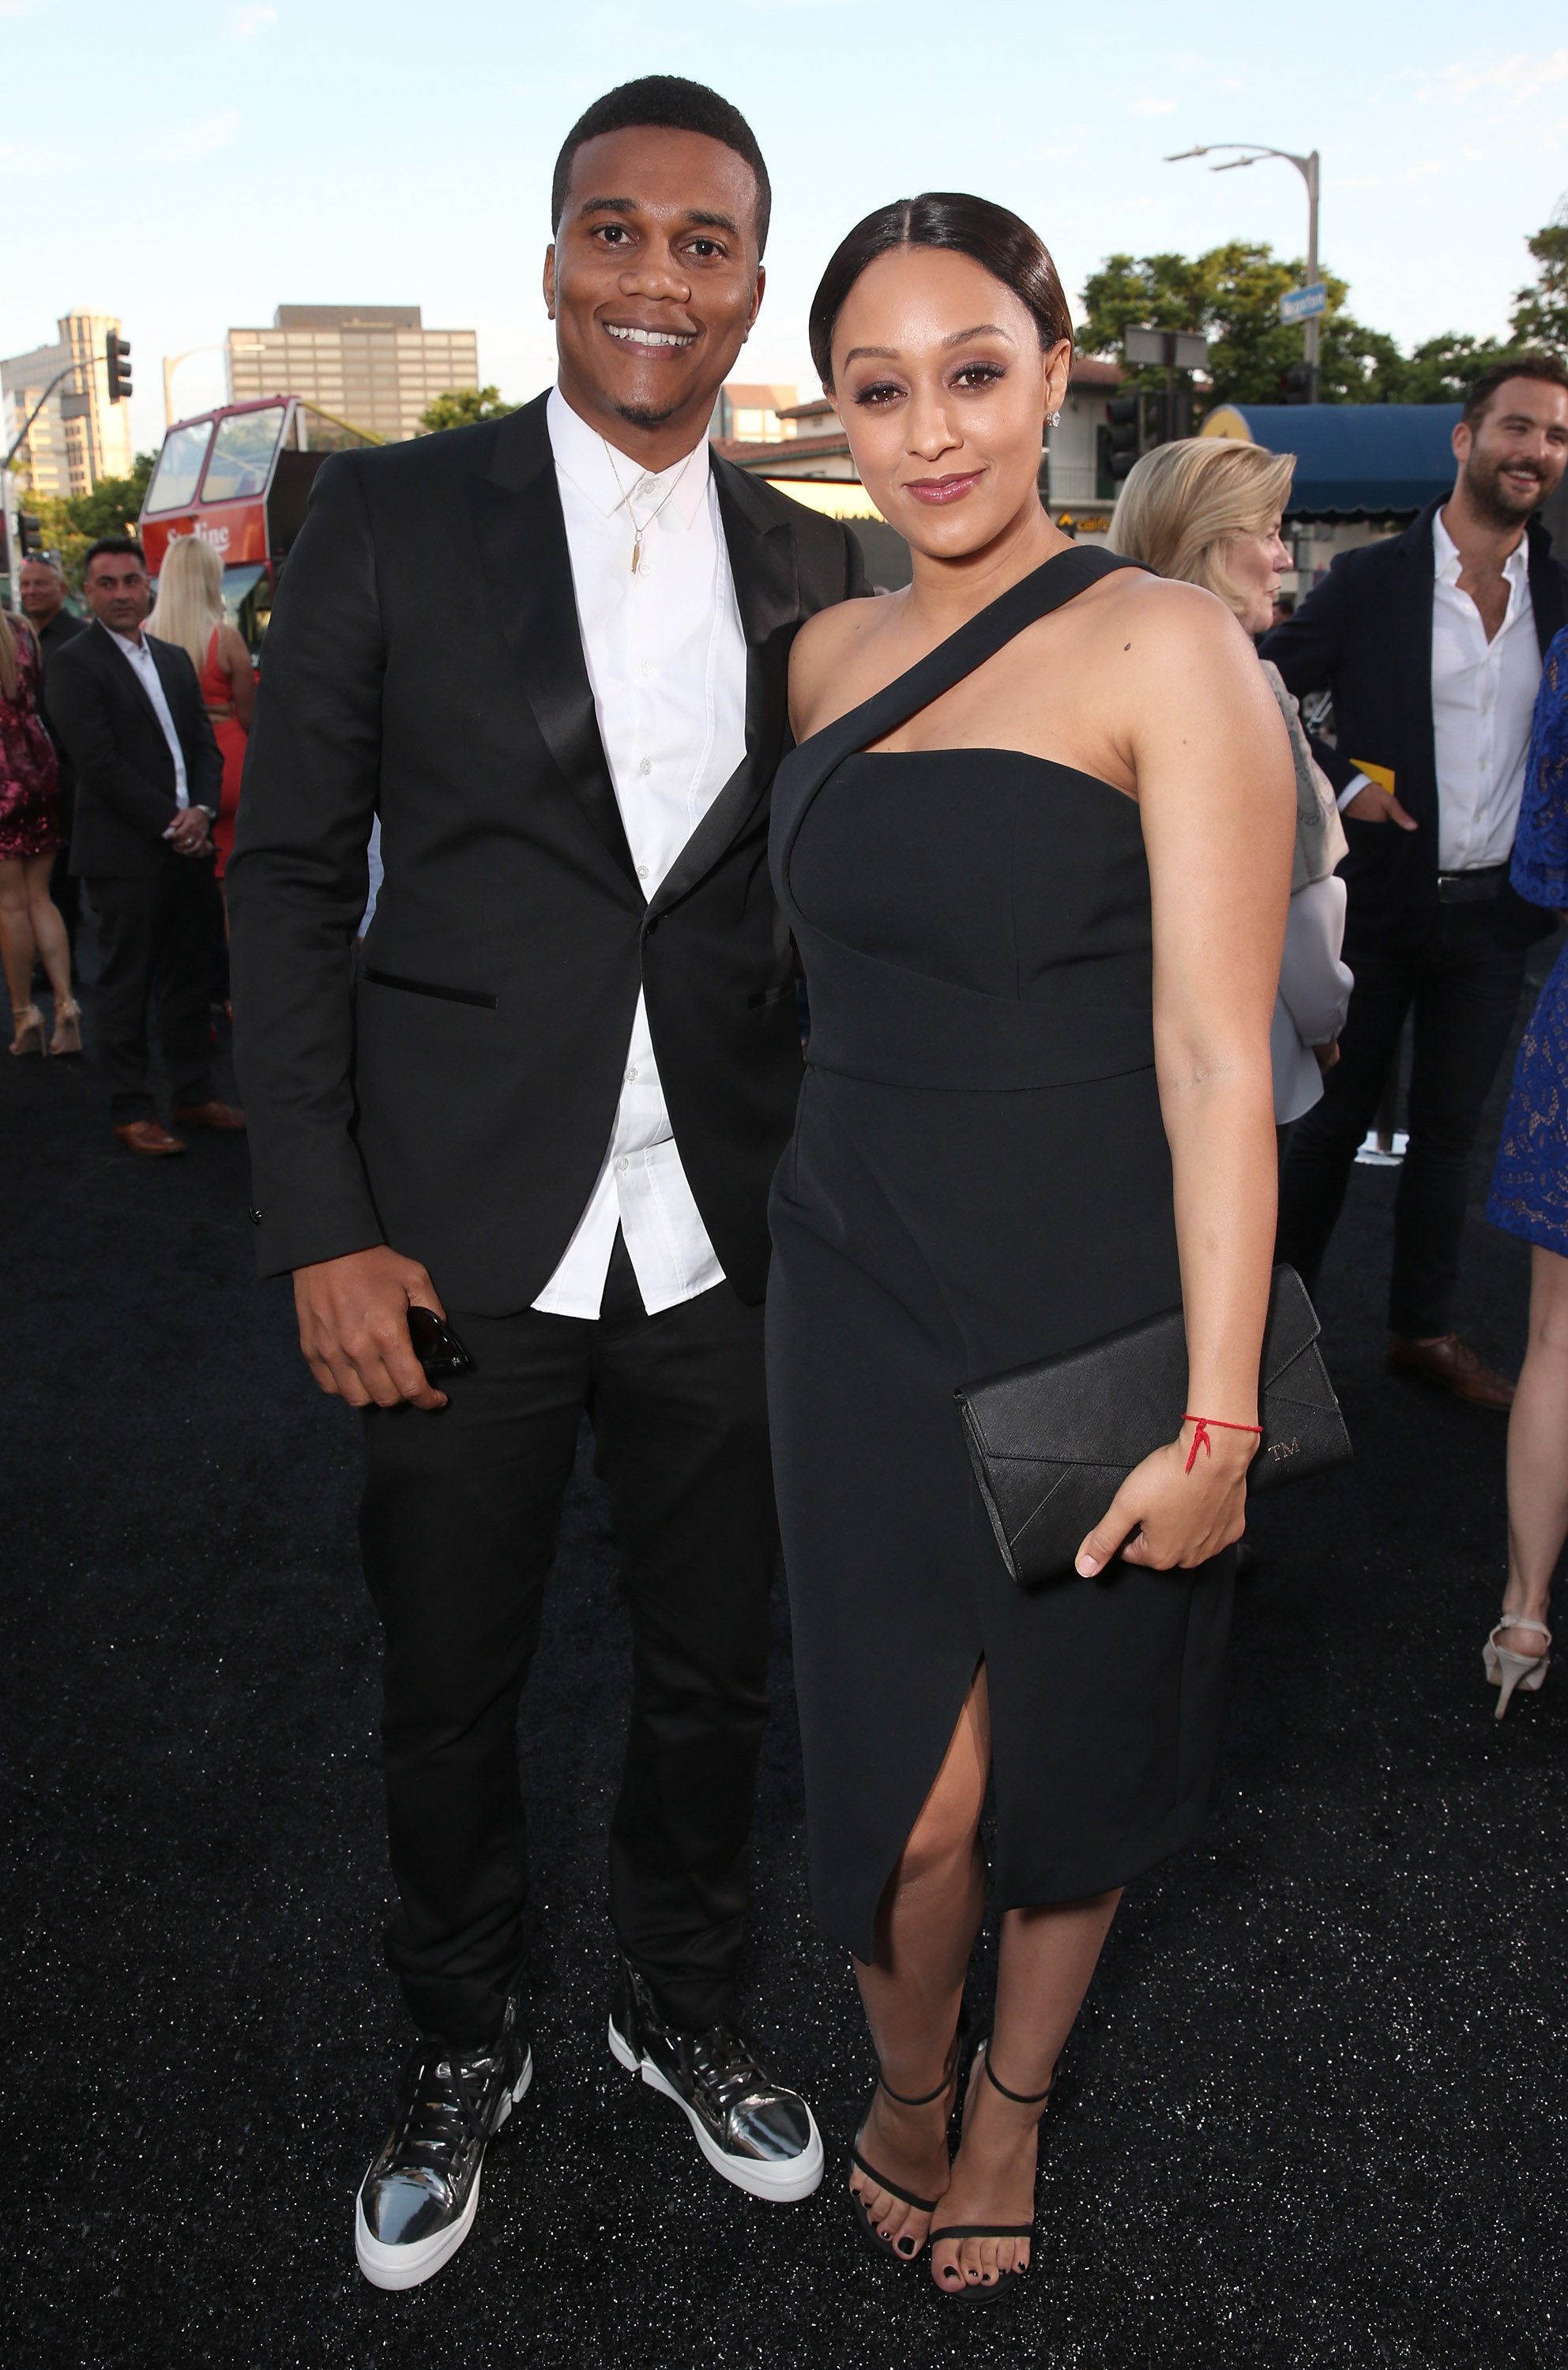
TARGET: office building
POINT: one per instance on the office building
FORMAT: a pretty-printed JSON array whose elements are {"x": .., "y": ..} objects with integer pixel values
[
  {"x": 70, "y": 447},
  {"x": 373, "y": 365}
]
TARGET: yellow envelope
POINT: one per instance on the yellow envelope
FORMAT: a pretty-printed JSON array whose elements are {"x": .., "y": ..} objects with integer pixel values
[{"x": 1382, "y": 775}]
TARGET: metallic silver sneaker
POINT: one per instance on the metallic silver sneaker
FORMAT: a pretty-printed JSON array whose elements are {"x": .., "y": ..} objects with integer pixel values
[
  {"x": 418, "y": 2201},
  {"x": 750, "y": 2128}
]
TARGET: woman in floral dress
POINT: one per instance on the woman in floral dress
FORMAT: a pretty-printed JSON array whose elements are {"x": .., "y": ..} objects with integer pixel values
[{"x": 31, "y": 927}]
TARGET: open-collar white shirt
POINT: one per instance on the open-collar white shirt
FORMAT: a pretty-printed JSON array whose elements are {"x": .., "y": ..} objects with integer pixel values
[
  {"x": 1483, "y": 696},
  {"x": 140, "y": 659},
  {"x": 667, "y": 661}
]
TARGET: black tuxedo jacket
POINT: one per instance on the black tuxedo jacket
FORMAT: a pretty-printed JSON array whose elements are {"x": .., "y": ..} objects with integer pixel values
[
  {"x": 452, "y": 1089},
  {"x": 125, "y": 798},
  {"x": 1365, "y": 633}
]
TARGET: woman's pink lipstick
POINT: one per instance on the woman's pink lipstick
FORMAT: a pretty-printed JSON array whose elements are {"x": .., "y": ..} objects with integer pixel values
[{"x": 937, "y": 490}]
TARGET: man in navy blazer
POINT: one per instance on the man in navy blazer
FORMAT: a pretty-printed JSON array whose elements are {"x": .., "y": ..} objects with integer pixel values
[{"x": 1431, "y": 645}]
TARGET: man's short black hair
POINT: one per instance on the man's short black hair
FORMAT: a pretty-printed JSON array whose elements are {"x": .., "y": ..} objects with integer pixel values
[
  {"x": 1479, "y": 395},
  {"x": 665, "y": 103},
  {"x": 112, "y": 546}
]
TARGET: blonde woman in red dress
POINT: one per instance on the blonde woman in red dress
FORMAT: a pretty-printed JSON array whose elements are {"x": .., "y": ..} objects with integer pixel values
[
  {"x": 189, "y": 611},
  {"x": 31, "y": 927}
]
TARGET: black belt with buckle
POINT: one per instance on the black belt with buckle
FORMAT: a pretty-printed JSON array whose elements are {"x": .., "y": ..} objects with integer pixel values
[{"x": 1474, "y": 888}]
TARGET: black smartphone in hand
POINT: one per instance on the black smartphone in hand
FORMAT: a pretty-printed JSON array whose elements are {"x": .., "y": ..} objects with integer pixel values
[{"x": 436, "y": 1346}]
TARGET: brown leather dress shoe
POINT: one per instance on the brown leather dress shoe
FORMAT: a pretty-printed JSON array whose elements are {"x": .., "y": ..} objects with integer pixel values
[
  {"x": 1453, "y": 1365},
  {"x": 150, "y": 1138},
  {"x": 224, "y": 1116}
]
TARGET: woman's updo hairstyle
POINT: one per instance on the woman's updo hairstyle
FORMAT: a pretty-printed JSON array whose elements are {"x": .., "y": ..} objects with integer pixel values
[{"x": 991, "y": 237}]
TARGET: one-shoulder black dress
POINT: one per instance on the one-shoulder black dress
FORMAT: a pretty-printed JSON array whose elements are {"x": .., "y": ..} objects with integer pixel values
[{"x": 978, "y": 1176}]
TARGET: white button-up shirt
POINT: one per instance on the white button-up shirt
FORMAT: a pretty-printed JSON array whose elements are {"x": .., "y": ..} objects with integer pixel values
[
  {"x": 666, "y": 660},
  {"x": 140, "y": 659},
  {"x": 1483, "y": 696}
]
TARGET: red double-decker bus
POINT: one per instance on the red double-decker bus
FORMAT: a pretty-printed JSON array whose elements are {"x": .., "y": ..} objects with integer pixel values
[{"x": 239, "y": 477}]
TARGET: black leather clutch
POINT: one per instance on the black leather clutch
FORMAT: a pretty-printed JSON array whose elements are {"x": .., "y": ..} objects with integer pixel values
[{"x": 1052, "y": 1443}]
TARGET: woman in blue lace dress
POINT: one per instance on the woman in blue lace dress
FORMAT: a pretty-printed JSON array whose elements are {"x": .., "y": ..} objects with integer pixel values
[{"x": 1530, "y": 1197}]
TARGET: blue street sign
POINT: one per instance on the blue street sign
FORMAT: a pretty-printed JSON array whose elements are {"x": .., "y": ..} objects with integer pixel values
[{"x": 1304, "y": 304}]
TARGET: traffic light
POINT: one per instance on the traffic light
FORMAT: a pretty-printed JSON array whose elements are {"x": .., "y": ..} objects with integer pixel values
[
  {"x": 1299, "y": 384},
  {"x": 117, "y": 354},
  {"x": 29, "y": 535},
  {"x": 1173, "y": 414},
  {"x": 1126, "y": 433}
]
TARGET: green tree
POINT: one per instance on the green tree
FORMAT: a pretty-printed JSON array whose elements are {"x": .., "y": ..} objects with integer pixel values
[
  {"x": 462, "y": 408},
  {"x": 1541, "y": 311},
  {"x": 1232, "y": 295},
  {"x": 71, "y": 521},
  {"x": 1439, "y": 370}
]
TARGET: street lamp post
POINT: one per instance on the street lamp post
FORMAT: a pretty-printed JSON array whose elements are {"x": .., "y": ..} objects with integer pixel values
[
  {"x": 171, "y": 363},
  {"x": 1250, "y": 153}
]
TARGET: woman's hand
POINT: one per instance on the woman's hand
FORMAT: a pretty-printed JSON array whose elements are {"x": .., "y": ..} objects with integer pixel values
[{"x": 1168, "y": 1518}]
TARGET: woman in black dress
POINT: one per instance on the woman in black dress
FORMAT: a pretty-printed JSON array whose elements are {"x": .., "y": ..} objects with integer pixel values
[{"x": 1035, "y": 847}]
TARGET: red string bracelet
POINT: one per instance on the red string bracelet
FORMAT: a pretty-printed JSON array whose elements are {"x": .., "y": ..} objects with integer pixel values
[{"x": 1201, "y": 1435}]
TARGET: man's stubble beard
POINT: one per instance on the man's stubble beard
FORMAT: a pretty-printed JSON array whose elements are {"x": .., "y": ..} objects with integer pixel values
[
  {"x": 642, "y": 415},
  {"x": 1489, "y": 500}
]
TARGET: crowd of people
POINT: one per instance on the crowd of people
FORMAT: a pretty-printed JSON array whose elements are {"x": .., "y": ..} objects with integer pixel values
[{"x": 1108, "y": 957}]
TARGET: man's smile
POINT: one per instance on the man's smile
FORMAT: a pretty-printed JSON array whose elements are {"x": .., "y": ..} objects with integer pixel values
[{"x": 628, "y": 334}]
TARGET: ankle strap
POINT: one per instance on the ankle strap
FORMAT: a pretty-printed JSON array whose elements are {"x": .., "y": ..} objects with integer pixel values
[
  {"x": 1018, "y": 2098},
  {"x": 930, "y": 2097},
  {"x": 1522, "y": 1621}
]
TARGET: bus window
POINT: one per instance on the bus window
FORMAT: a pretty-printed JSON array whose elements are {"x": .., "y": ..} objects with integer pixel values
[
  {"x": 179, "y": 469},
  {"x": 320, "y": 432},
  {"x": 242, "y": 455},
  {"x": 247, "y": 603}
]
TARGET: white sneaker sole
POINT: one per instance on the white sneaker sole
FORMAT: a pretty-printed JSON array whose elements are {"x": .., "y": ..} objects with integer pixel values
[
  {"x": 778, "y": 2184},
  {"x": 405, "y": 2267}
]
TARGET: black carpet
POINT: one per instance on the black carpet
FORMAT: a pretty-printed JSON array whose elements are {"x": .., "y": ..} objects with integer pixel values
[{"x": 1313, "y": 2112}]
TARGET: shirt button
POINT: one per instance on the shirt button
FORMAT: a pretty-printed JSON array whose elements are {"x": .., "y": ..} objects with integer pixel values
[
  {"x": 643, "y": 872},
  {"x": 646, "y": 766},
  {"x": 623, "y": 1166},
  {"x": 647, "y": 668},
  {"x": 631, "y": 1074}
]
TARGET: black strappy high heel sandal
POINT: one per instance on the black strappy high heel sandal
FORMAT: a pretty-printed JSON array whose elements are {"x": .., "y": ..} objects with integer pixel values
[
  {"x": 986, "y": 2291},
  {"x": 863, "y": 2221}
]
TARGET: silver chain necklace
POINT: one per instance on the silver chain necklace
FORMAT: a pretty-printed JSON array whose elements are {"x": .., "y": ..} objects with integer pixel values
[{"x": 640, "y": 527}]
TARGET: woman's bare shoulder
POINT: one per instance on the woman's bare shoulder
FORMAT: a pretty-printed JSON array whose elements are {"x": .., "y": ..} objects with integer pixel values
[
  {"x": 1168, "y": 618},
  {"x": 824, "y": 657}
]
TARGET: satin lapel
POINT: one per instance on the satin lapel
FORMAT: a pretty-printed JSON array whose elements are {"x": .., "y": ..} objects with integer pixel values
[
  {"x": 766, "y": 578},
  {"x": 1415, "y": 575},
  {"x": 527, "y": 567}
]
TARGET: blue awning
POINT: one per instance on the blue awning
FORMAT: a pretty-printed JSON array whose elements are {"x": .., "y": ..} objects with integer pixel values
[{"x": 1353, "y": 460}]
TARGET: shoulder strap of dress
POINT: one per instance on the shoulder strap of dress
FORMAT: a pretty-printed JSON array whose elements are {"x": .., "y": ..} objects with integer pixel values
[{"x": 1050, "y": 586}]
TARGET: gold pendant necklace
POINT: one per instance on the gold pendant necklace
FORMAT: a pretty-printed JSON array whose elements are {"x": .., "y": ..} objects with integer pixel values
[{"x": 640, "y": 527}]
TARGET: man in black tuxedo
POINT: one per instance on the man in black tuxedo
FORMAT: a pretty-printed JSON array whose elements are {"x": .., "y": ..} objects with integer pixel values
[
  {"x": 1431, "y": 645},
  {"x": 43, "y": 588},
  {"x": 549, "y": 652},
  {"x": 148, "y": 771}
]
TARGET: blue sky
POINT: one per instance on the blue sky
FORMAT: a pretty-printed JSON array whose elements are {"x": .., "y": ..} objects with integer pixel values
[{"x": 319, "y": 151}]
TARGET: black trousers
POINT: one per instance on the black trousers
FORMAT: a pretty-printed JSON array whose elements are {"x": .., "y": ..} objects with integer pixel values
[
  {"x": 162, "y": 928},
  {"x": 459, "y": 1524},
  {"x": 1461, "y": 981}
]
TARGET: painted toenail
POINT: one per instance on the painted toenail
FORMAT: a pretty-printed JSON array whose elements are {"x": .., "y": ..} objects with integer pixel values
[{"x": 906, "y": 2245}]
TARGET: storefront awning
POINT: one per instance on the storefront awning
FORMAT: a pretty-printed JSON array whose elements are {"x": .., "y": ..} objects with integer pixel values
[{"x": 1353, "y": 460}]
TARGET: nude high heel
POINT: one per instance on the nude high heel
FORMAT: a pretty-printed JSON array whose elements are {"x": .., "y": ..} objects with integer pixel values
[
  {"x": 67, "y": 1036},
  {"x": 28, "y": 1038},
  {"x": 1507, "y": 1670}
]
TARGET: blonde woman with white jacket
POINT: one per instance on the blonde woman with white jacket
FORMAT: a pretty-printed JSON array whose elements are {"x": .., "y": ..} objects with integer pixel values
[{"x": 1208, "y": 511}]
